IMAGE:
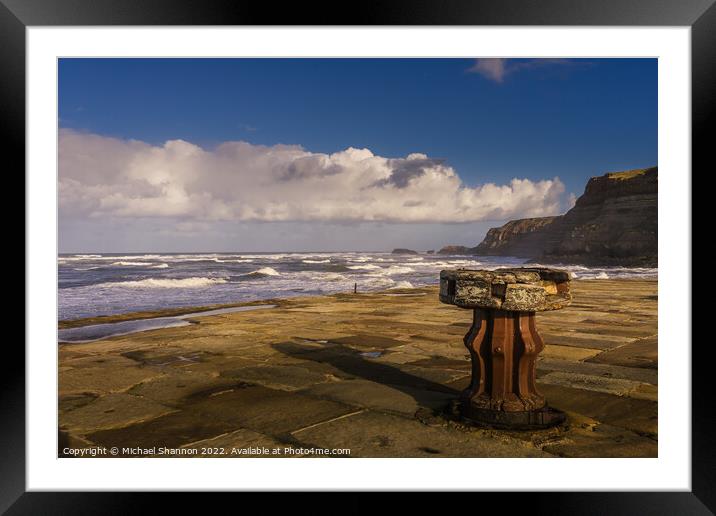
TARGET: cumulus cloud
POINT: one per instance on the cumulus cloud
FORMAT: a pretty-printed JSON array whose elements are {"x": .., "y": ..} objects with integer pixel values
[
  {"x": 238, "y": 181},
  {"x": 570, "y": 201},
  {"x": 497, "y": 69},
  {"x": 493, "y": 69}
]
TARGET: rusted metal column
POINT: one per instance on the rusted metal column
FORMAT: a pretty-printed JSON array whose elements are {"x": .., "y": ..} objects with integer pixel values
[{"x": 504, "y": 343}]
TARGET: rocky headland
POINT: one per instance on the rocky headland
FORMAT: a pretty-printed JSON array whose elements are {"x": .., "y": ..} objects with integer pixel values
[
  {"x": 402, "y": 250},
  {"x": 615, "y": 222}
]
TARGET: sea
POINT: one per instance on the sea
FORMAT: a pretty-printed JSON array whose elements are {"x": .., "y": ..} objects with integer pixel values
[{"x": 107, "y": 284}]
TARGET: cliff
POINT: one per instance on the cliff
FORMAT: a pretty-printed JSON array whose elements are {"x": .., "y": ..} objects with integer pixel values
[
  {"x": 401, "y": 250},
  {"x": 516, "y": 238},
  {"x": 615, "y": 222},
  {"x": 456, "y": 249}
]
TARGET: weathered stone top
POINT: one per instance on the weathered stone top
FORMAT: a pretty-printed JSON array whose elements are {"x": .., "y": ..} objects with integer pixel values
[{"x": 526, "y": 289}]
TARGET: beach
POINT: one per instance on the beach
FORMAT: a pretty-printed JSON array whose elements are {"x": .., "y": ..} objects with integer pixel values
[{"x": 365, "y": 374}]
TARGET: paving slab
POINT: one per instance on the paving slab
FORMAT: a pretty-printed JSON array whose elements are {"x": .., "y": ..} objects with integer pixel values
[
  {"x": 102, "y": 379},
  {"x": 608, "y": 385},
  {"x": 264, "y": 410},
  {"x": 633, "y": 414},
  {"x": 241, "y": 443},
  {"x": 171, "y": 430},
  {"x": 589, "y": 438},
  {"x": 547, "y": 364},
  {"x": 640, "y": 353},
  {"x": 374, "y": 434},
  {"x": 282, "y": 376},
  {"x": 568, "y": 352},
  {"x": 399, "y": 399},
  {"x": 584, "y": 340},
  {"x": 112, "y": 411}
]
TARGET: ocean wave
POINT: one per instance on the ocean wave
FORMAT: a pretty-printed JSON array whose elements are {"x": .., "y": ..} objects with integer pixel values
[
  {"x": 394, "y": 269},
  {"x": 160, "y": 266},
  {"x": 364, "y": 259},
  {"x": 99, "y": 257},
  {"x": 588, "y": 275},
  {"x": 452, "y": 263},
  {"x": 86, "y": 268},
  {"x": 218, "y": 260},
  {"x": 402, "y": 284},
  {"x": 193, "y": 282},
  {"x": 264, "y": 271},
  {"x": 266, "y": 256},
  {"x": 316, "y": 261},
  {"x": 614, "y": 272},
  {"x": 367, "y": 267},
  {"x": 329, "y": 276},
  {"x": 132, "y": 264},
  {"x": 377, "y": 282},
  {"x": 307, "y": 278}
]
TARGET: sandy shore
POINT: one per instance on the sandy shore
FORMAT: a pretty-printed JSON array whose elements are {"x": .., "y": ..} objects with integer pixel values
[{"x": 365, "y": 372}]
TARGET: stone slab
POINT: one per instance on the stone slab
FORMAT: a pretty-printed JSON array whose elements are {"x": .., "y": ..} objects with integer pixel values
[
  {"x": 640, "y": 353},
  {"x": 264, "y": 410},
  {"x": 172, "y": 387},
  {"x": 588, "y": 438},
  {"x": 112, "y": 411},
  {"x": 569, "y": 352},
  {"x": 642, "y": 375},
  {"x": 615, "y": 386},
  {"x": 282, "y": 377},
  {"x": 103, "y": 379},
  {"x": 640, "y": 416},
  {"x": 171, "y": 430},
  {"x": 582, "y": 340},
  {"x": 386, "y": 398},
  {"x": 374, "y": 434},
  {"x": 241, "y": 443}
]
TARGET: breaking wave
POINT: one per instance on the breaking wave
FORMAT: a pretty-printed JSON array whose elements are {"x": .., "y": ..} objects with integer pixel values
[
  {"x": 367, "y": 267},
  {"x": 402, "y": 284},
  {"x": 195, "y": 282},
  {"x": 264, "y": 271}
]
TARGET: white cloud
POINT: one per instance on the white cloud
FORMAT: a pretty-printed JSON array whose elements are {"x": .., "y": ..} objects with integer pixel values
[
  {"x": 497, "y": 69},
  {"x": 108, "y": 177},
  {"x": 570, "y": 201},
  {"x": 493, "y": 69}
]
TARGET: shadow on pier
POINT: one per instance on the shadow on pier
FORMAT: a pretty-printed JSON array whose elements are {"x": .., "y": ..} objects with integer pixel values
[{"x": 352, "y": 364}]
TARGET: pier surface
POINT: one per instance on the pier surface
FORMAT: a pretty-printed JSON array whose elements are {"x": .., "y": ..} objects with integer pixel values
[{"x": 370, "y": 373}]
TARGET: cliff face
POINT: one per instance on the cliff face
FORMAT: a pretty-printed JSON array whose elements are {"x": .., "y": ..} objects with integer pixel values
[
  {"x": 455, "y": 249},
  {"x": 613, "y": 223},
  {"x": 516, "y": 238}
]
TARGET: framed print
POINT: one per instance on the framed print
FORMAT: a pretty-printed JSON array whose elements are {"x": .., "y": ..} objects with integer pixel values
[{"x": 421, "y": 249}]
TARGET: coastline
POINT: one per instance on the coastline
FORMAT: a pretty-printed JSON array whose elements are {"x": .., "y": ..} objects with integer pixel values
[{"x": 368, "y": 371}]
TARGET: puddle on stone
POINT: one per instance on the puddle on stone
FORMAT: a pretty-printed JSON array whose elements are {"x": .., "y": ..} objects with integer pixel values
[
  {"x": 101, "y": 331},
  {"x": 220, "y": 311},
  {"x": 371, "y": 354}
]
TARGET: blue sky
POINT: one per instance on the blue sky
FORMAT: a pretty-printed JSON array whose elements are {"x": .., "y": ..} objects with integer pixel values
[{"x": 490, "y": 122}]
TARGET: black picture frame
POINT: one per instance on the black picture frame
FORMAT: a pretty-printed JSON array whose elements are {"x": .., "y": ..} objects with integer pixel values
[{"x": 17, "y": 15}]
